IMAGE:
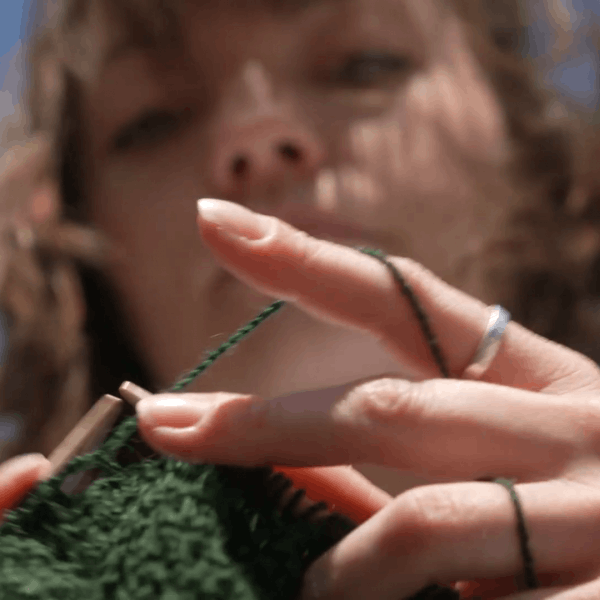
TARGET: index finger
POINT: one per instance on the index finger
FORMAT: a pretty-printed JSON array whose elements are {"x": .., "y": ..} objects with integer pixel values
[{"x": 340, "y": 284}]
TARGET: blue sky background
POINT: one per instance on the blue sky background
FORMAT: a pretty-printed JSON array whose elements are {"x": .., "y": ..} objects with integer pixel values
[
  {"x": 16, "y": 18},
  {"x": 10, "y": 23},
  {"x": 11, "y": 17}
]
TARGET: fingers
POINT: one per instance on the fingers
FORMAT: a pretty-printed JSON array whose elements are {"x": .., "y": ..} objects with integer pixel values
[
  {"x": 495, "y": 589},
  {"x": 18, "y": 475},
  {"x": 440, "y": 429},
  {"x": 339, "y": 284},
  {"x": 587, "y": 591},
  {"x": 454, "y": 532},
  {"x": 344, "y": 489},
  {"x": 221, "y": 440}
]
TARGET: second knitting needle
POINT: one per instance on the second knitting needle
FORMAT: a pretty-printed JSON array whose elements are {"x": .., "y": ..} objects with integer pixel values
[
  {"x": 133, "y": 393},
  {"x": 81, "y": 439}
]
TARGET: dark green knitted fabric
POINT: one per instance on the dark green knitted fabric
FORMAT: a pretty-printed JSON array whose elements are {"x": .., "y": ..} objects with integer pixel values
[
  {"x": 163, "y": 529},
  {"x": 160, "y": 529}
]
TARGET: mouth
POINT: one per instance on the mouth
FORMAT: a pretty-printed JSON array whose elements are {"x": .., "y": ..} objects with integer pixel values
[
  {"x": 317, "y": 224},
  {"x": 327, "y": 227}
]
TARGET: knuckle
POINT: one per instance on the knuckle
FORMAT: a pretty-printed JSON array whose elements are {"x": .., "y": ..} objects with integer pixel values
[
  {"x": 388, "y": 401},
  {"x": 422, "y": 515},
  {"x": 308, "y": 248},
  {"x": 434, "y": 507}
]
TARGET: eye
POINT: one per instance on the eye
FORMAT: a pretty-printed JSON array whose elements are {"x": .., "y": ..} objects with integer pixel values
[
  {"x": 152, "y": 127},
  {"x": 369, "y": 68}
]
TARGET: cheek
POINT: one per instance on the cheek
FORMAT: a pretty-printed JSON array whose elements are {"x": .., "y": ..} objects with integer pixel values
[
  {"x": 162, "y": 271},
  {"x": 427, "y": 193},
  {"x": 472, "y": 118},
  {"x": 406, "y": 156},
  {"x": 149, "y": 215},
  {"x": 460, "y": 102},
  {"x": 443, "y": 126},
  {"x": 154, "y": 193}
]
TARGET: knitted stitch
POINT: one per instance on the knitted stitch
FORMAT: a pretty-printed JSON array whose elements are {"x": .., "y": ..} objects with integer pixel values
[{"x": 163, "y": 529}]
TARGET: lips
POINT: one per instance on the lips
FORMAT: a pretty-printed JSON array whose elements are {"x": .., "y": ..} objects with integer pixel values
[{"x": 325, "y": 226}]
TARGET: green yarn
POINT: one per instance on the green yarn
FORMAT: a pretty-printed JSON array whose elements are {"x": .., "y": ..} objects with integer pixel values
[
  {"x": 529, "y": 575},
  {"x": 160, "y": 529},
  {"x": 163, "y": 529},
  {"x": 408, "y": 293},
  {"x": 232, "y": 341}
]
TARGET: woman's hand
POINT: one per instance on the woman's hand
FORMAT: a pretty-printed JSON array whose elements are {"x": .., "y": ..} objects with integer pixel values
[
  {"x": 18, "y": 475},
  {"x": 533, "y": 417}
]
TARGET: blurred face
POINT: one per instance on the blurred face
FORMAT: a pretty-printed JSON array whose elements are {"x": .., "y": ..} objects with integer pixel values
[{"x": 360, "y": 121}]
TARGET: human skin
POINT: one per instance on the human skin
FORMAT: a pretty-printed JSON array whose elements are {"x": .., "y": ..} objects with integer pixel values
[
  {"x": 539, "y": 424},
  {"x": 18, "y": 475},
  {"x": 533, "y": 417},
  {"x": 411, "y": 155},
  {"x": 389, "y": 161}
]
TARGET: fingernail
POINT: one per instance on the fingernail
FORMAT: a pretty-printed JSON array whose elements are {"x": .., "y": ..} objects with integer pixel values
[
  {"x": 24, "y": 463},
  {"x": 171, "y": 412},
  {"x": 234, "y": 219}
]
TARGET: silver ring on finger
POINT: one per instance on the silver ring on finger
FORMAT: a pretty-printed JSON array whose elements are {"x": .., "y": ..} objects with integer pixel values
[{"x": 490, "y": 343}]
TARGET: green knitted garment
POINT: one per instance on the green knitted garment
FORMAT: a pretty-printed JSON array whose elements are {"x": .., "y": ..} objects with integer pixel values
[{"x": 163, "y": 529}]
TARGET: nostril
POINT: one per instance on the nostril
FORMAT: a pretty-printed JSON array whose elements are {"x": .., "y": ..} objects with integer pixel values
[
  {"x": 290, "y": 152},
  {"x": 256, "y": 164},
  {"x": 240, "y": 166}
]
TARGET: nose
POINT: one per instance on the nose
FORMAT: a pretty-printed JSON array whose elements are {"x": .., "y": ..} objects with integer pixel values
[
  {"x": 263, "y": 152},
  {"x": 261, "y": 141}
]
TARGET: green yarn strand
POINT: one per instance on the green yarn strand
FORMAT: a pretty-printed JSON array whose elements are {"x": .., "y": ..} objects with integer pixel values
[
  {"x": 238, "y": 336},
  {"x": 420, "y": 315}
]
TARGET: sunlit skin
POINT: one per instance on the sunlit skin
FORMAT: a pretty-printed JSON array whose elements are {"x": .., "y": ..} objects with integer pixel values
[
  {"x": 359, "y": 121},
  {"x": 463, "y": 530},
  {"x": 272, "y": 110}
]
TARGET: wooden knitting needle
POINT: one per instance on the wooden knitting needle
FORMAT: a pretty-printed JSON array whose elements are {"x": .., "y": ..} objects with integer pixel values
[
  {"x": 88, "y": 432},
  {"x": 93, "y": 426},
  {"x": 133, "y": 393}
]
